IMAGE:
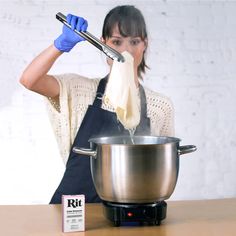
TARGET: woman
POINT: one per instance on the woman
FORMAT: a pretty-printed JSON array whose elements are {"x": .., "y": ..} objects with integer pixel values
[{"x": 76, "y": 109}]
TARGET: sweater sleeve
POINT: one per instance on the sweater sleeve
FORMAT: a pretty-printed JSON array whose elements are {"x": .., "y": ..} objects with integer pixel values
[
  {"x": 161, "y": 113},
  {"x": 59, "y": 117}
]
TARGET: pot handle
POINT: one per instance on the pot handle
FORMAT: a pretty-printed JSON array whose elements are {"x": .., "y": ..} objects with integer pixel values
[
  {"x": 186, "y": 149},
  {"x": 85, "y": 151}
]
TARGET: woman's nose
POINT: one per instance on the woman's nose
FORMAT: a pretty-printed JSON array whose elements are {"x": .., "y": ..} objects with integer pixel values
[{"x": 127, "y": 47}]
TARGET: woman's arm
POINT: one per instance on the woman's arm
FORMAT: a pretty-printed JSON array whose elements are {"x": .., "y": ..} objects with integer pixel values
[{"x": 35, "y": 76}]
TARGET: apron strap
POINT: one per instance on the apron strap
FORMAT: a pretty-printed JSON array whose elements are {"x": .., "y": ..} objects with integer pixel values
[
  {"x": 100, "y": 91},
  {"x": 143, "y": 101}
]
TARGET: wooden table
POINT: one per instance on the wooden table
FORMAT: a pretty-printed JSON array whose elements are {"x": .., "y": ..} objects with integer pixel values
[{"x": 200, "y": 218}]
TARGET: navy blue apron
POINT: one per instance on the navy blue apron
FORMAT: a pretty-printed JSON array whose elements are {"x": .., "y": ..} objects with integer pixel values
[{"x": 77, "y": 178}]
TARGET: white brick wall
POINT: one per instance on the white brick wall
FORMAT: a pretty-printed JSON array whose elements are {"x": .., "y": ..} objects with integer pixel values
[{"x": 192, "y": 59}]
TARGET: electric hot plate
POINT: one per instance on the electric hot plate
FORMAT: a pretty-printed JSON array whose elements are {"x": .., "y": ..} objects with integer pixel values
[{"x": 128, "y": 214}]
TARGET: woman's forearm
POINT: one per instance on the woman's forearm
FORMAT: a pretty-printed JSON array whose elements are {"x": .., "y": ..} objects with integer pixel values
[{"x": 35, "y": 77}]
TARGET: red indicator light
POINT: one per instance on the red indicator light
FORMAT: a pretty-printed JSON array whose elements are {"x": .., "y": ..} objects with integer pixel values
[{"x": 129, "y": 214}]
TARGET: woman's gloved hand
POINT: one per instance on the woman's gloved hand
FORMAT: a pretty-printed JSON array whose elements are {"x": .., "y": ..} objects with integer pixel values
[{"x": 68, "y": 39}]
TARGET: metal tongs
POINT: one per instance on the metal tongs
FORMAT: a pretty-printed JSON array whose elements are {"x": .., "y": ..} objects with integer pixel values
[{"x": 110, "y": 52}]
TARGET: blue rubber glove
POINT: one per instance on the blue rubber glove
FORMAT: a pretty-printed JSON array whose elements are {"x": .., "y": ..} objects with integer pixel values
[{"x": 68, "y": 39}]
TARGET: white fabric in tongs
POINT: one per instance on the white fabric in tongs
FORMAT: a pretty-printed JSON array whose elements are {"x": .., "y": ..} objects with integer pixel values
[{"x": 121, "y": 92}]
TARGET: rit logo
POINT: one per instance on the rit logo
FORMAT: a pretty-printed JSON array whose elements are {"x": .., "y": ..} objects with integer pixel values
[{"x": 74, "y": 203}]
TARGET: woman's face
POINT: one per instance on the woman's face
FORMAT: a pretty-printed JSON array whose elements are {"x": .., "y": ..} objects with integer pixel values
[{"x": 134, "y": 45}]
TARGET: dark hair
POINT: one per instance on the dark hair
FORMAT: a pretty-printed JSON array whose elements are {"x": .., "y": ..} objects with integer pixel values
[{"x": 130, "y": 22}]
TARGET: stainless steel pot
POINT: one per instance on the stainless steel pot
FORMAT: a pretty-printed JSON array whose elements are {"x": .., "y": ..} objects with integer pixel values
[{"x": 140, "y": 172}]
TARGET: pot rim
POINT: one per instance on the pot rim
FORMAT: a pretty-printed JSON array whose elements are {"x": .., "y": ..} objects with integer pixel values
[{"x": 107, "y": 140}]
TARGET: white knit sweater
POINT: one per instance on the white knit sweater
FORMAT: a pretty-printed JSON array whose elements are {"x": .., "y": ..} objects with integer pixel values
[{"x": 77, "y": 93}]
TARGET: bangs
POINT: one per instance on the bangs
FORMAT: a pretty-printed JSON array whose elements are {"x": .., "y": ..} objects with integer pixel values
[
  {"x": 131, "y": 27},
  {"x": 129, "y": 21}
]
